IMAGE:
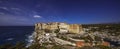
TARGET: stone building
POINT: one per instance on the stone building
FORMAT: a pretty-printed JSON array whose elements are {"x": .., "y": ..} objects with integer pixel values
[
  {"x": 62, "y": 27},
  {"x": 74, "y": 28}
]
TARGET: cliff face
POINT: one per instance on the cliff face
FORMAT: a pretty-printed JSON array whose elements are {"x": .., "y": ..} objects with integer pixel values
[{"x": 62, "y": 27}]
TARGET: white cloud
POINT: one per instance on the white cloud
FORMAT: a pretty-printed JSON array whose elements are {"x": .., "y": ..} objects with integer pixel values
[{"x": 37, "y": 16}]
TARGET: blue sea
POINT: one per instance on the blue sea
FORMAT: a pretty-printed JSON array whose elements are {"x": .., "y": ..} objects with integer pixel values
[{"x": 14, "y": 34}]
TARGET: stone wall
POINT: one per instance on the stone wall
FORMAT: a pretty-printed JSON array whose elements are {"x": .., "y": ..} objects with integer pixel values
[
  {"x": 74, "y": 28},
  {"x": 62, "y": 27}
]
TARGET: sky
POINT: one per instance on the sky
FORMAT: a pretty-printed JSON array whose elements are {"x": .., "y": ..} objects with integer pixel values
[{"x": 29, "y": 12}]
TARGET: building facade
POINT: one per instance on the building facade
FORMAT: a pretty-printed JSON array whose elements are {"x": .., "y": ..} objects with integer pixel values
[{"x": 62, "y": 27}]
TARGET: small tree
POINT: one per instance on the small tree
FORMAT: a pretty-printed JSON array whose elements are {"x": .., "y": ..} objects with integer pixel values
[{"x": 57, "y": 30}]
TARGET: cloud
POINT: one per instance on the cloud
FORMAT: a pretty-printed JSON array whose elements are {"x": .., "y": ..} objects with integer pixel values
[
  {"x": 2, "y": 13},
  {"x": 0, "y": 1},
  {"x": 15, "y": 8},
  {"x": 5, "y": 8},
  {"x": 11, "y": 18},
  {"x": 37, "y": 16},
  {"x": 14, "y": 20}
]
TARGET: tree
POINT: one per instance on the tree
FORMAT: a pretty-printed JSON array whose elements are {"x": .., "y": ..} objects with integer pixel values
[{"x": 57, "y": 30}]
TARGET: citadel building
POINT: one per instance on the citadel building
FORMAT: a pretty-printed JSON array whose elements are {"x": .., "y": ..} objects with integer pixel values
[{"x": 62, "y": 27}]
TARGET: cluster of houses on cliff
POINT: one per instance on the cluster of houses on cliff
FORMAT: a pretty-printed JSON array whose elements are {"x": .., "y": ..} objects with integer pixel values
[{"x": 62, "y": 27}]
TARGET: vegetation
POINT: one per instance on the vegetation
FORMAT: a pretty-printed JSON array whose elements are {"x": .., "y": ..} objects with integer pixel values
[
  {"x": 103, "y": 47},
  {"x": 57, "y": 30},
  {"x": 36, "y": 46},
  {"x": 111, "y": 28},
  {"x": 47, "y": 31},
  {"x": 57, "y": 47},
  {"x": 21, "y": 45},
  {"x": 95, "y": 47}
]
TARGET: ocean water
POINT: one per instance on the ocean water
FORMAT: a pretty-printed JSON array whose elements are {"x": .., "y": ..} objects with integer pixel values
[{"x": 14, "y": 34}]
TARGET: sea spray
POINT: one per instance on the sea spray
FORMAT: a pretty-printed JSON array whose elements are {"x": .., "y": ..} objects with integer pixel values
[{"x": 30, "y": 39}]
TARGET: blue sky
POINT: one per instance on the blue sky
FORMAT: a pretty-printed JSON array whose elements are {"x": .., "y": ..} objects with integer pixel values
[{"x": 29, "y": 12}]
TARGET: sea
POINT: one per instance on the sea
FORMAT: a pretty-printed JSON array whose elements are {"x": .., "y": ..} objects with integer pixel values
[{"x": 14, "y": 34}]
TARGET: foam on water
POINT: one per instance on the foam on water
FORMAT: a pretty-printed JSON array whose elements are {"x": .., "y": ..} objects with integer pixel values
[
  {"x": 30, "y": 39},
  {"x": 9, "y": 39}
]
